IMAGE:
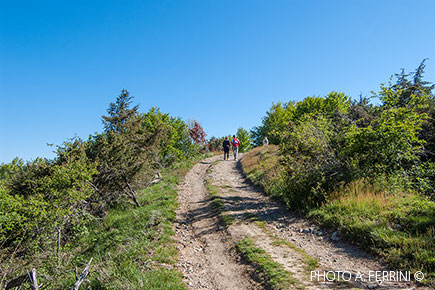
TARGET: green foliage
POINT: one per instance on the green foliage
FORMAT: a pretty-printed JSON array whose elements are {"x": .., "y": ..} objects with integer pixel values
[
  {"x": 119, "y": 113},
  {"x": 42, "y": 195},
  {"x": 312, "y": 164},
  {"x": 174, "y": 142},
  {"x": 388, "y": 145},
  {"x": 332, "y": 103},
  {"x": 361, "y": 112},
  {"x": 280, "y": 115},
  {"x": 327, "y": 141},
  {"x": 133, "y": 147},
  {"x": 245, "y": 139},
  {"x": 274, "y": 123}
]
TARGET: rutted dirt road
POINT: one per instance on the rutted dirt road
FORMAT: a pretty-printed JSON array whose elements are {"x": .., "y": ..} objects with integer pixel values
[{"x": 208, "y": 259}]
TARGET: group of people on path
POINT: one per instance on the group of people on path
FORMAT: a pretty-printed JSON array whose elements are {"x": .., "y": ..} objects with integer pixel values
[{"x": 235, "y": 143}]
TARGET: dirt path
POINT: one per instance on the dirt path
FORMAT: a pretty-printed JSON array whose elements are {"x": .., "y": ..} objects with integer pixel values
[
  {"x": 207, "y": 256},
  {"x": 207, "y": 260}
]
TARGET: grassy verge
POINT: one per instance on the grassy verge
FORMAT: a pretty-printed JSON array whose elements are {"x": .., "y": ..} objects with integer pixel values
[
  {"x": 131, "y": 247},
  {"x": 396, "y": 225},
  {"x": 270, "y": 272},
  {"x": 399, "y": 228}
]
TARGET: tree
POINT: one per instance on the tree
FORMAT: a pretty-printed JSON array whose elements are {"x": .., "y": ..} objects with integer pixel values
[
  {"x": 245, "y": 139},
  {"x": 390, "y": 143},
  {"x": 174, "y": 142},
  {"x": 123, "y": 152},
  {"x": 215, "y": 144},
  {"x": 197, "y": 133},
  {"x": 119, "y": 113},
  {"x": 273, "y": 124}
]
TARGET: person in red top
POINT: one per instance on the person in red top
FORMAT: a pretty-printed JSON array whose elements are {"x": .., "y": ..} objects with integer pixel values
[{"x": 236, "y": 143}]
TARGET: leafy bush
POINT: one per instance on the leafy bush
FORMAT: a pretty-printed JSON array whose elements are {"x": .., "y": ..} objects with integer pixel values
[
  {"x": 41, "y": 196},
  {"x": 311, "y": 161}
]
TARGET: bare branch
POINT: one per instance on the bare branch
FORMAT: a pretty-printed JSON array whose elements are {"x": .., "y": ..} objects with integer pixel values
[
  {"x": 133, "y": 195},
  {"x": 157, "y": 178},
  {"x": 32, "y": 279},
  {"x": 92, "y": 185},
  {"x": 82, "y": 276}
]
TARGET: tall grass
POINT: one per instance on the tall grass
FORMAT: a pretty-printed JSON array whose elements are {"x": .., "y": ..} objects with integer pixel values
[{"x": 397, "y": 226}]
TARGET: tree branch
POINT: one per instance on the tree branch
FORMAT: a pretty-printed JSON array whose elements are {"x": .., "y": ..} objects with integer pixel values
[
  {"x": 32, "y": 279},
  {"x": 82, "y": 276}
]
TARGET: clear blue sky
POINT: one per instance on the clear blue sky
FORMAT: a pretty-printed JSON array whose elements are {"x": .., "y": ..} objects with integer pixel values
[{"x": 222, "y": 62}]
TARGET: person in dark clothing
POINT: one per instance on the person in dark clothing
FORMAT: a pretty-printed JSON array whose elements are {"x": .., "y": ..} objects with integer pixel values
[{"x": 227, "y": 146}]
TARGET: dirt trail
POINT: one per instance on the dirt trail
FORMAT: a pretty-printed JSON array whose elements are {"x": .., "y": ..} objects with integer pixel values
[
  {"x": 207, "y": 256},
  {"x": 207, "y": 260}
]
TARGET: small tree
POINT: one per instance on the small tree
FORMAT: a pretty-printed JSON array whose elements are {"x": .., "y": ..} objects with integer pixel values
[
  {"x": 122, "y": 152},
  {"x": 273, "y": 124},
  {"x": 119, "y": 113},
  {"x": 245, "y": 139},
  {"x": 197, "y": 133}
]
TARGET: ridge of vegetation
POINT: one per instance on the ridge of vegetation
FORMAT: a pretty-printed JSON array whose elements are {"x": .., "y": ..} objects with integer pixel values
[{"x": 364, "y": 170}]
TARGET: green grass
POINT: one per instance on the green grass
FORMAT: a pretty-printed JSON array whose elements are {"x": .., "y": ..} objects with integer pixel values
[
  {"x": 311, "y": 263},
  {"x": 228, "y": 219},
  {"x": 217, "y": 202},
  {"x": 272, "y": 274},
  {"x": 213, "y": 190}
]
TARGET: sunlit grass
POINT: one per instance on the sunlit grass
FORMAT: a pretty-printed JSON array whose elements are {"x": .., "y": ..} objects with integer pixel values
[{"x": 272, "y": 273}]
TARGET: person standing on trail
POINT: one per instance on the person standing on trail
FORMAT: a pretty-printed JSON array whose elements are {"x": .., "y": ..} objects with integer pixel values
[
  {"x": 236, "y": 144},
  {"x": 226, "y": 146},
  {"x": 265, "y": 141}
]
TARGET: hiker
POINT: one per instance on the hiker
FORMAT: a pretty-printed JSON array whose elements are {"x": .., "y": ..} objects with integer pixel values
[
  {"x": 235, "y": 144},
  {"x": 226, "y": 146},
  {"x": 265, "y": 141}
]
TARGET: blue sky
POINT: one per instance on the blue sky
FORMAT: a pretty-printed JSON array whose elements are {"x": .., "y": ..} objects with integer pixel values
[{"x": 220, "y": 62}]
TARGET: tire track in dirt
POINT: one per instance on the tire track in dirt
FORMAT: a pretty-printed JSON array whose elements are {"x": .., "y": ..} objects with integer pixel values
[{"x": 207, "y": 259}]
